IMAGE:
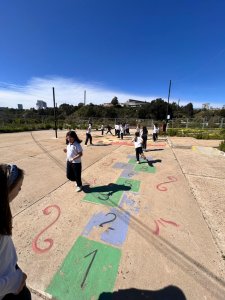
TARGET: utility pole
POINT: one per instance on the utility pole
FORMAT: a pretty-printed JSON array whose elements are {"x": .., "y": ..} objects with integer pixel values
[
  {"x": 53, "y": 89},
  {"x": 168, "y": 101},
  {"x": 84, "y": 97}
]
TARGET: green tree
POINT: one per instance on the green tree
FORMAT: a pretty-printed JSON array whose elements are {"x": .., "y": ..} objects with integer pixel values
[
  {"x": 188, "y": 110},
  {"x": 115, "y": 101}
]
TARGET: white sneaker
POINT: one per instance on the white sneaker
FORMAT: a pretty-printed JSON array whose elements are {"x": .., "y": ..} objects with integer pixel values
[
  {"x": 138, "y": 162},
  {"x": 79, "y": 188}
]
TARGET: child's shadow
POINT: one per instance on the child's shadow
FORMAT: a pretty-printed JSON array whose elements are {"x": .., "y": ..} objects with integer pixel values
[
  {"x": 151, "y": 162},
  {"x": 106, "y": 190}
]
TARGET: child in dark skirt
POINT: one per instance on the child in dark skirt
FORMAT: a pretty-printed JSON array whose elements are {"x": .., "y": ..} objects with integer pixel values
[
  {"x": 74, "y": 152},
  {"x": 138, "y": 141}
]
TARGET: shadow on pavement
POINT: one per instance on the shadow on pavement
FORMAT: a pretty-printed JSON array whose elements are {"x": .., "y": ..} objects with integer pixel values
[
  {"x": 151, "y": 162},
  {"x": 168, "y": 293},
  {"x": 148, "y": 150},
  {"x": 109, "y": 189}
]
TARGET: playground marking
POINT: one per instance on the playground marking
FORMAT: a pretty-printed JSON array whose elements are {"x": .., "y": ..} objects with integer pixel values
[
  {"x": 162, "y": 188},
  {"x": 89, "y": 269},
  {"x": 35, "y": 247},
  {"x": 161, "y": 222},
  {"x": 114, "y": 225}
]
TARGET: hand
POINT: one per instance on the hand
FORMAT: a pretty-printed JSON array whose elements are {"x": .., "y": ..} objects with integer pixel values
[
  {"x": 23, "y": 283},
  {"x": 71, "y": 160},
  {"x": 65, "y": 150}
]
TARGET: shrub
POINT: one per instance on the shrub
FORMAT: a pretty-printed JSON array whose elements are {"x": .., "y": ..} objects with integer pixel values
[{"x": 222, "y": 146}]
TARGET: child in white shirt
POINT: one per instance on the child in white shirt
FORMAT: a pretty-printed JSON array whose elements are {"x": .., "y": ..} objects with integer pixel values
[{"x": 138, "y": 141}]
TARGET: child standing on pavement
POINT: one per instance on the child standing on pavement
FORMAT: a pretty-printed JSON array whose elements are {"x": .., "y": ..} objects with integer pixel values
[
  {"x": 12, "y": 278},
  {"x": 88, "y": 134},
  {"x": 138, "y": 141},
  {"x": 74, "y": 152}
]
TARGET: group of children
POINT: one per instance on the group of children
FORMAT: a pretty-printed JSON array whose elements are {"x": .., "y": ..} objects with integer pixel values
[
  {"x": 74, "y": 150},
  {"x": 12, "y": 278}
]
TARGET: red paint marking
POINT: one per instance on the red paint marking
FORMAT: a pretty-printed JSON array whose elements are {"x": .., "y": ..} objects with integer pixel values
[
  {"x": 106, "y": 164},
  {"x": 170, "y": 222},
  {"x": 92, "y": 182},
  {"x": 163, "y": 188},
  {"x": 35, "y": 247},
  {"x": 156, "y": 232},
  {"x": 160, "y": 222}
]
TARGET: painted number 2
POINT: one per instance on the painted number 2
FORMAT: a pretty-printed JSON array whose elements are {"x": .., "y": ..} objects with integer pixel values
[{"x": 89, "y": 266}]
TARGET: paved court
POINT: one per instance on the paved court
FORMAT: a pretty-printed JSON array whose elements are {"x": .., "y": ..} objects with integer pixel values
[{"x": 148, "y": 231}]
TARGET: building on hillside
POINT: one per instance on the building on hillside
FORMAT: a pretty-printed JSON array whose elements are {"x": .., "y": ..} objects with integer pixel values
[
  {"x": 20, "y": 106},
  {"x": 205, "y": 105},
  {"x": 107, "y": 104},
  {"x": 41, "y": 104},
  {"x": 134, "y": 103}
]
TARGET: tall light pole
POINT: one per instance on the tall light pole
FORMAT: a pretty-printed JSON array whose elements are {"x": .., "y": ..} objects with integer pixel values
[
  {"x": 85, "y": 97},
  {"x": 53, "y": 89},
  {"x": 168, "y": 101}
]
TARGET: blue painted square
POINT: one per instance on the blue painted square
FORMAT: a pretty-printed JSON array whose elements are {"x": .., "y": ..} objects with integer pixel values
[
  {"x": 120, "y": 165},
  {"x": 115, "y": 223}
]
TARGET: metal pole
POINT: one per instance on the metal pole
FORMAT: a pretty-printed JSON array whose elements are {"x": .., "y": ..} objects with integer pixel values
[
  {"x": 168, "y": 101},
  {"x": 84, "y": 97},
  {"x": 53, "y": 89}
]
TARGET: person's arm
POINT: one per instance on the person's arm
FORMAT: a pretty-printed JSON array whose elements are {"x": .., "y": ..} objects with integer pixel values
[
  {"x": 79, "y": 154},
  {"x": 14, "y": 279}
]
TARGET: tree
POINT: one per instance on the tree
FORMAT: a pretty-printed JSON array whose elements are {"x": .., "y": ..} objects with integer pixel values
[
  {"x": 115, "y": 101},
  {"x": 188, "y": 109}
]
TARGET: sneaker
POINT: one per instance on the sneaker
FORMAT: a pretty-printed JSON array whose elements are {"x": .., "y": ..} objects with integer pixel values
[
  {"x": 138, "y": 162},
  {"x": 79, "y": 188}
]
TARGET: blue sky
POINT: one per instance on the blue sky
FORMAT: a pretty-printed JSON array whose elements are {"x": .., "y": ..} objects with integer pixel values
[{"x": 128, "y": 49}]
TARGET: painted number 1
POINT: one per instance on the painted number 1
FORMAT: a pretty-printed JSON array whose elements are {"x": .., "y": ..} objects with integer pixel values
[{"x": 89, "y": 266}]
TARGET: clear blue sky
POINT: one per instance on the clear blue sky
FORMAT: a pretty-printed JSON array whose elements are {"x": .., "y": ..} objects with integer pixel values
[{"x": 123, "y": 48}]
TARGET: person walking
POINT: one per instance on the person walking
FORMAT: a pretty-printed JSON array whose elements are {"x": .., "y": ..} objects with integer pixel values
[
  {"x": 138, "y": 147},
  {"x": 12, "y": 278},
  {"x": 109, "y": 130},
  {"x": 74, "y": 152},
  {"x": 144, "y": 136},
  {"x": 88, "y": 135},
  {"x": 155, "y": 132},
  {"x": 102, "y": 129},
  {"x": 121, "y": 131}
]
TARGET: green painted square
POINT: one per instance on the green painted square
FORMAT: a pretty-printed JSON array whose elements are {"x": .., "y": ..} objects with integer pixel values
[
  {"x": 134, "y": 185},
  {"x": 89, "y": 269},
  {"x": 144, "y": 167},
  {"x": 109, "y": 198},
  {"x": 132, "y": 161}
]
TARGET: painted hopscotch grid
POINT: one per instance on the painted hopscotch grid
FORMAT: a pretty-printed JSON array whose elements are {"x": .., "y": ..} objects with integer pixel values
[
  {"x": 111, "y": 194},
  {"x": 134, "y": 185},
  {"x": 89, "y": 269},
  {"x": 112, "y": 226}
]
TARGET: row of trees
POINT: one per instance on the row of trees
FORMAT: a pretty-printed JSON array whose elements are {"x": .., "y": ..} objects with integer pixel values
[{"x": 157, "y": 109}]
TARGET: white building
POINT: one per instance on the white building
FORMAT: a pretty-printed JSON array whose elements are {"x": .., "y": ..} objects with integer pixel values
[{"x": 134, "y": 103}]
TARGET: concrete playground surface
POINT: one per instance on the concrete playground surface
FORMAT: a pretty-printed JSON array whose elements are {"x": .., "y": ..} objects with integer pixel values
[{"x": 148, "y": 231}]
